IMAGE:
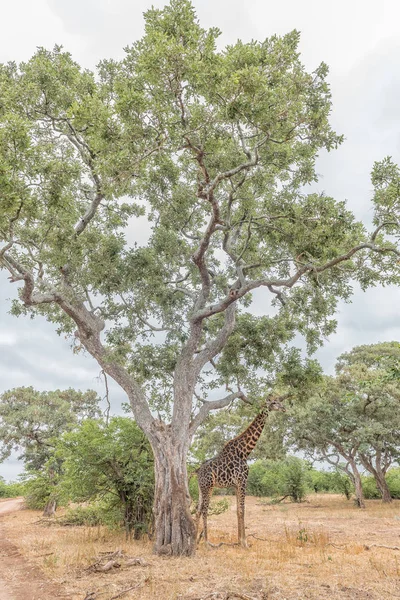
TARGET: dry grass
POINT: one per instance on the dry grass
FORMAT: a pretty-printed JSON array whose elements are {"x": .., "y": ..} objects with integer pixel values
[{"x": 316, "y": 550}]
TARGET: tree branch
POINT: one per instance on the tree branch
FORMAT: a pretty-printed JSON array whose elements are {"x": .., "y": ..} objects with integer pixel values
[
  {"x": 207, "y": 407},
  {"x": 290, "y": 281}
]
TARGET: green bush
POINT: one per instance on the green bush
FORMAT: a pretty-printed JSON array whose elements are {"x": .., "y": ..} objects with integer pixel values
[
  {"x": 371, "y": 490},
  {"x": 393, "y": 481},
  {"x": 369, "y": 487},
  {"x": 38, "y": 490},
  {"x": 218, "y": 507},
  {"x": 11, "y": 490},
  {"x": 342, "y": 484},
  {"x": 88, "y": 516},
  {"x": 278, "y": 478},
  {"x": 193, "y": 488}
]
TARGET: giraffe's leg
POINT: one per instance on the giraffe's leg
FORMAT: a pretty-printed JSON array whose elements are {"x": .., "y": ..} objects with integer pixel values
[
  {"x": 202, "y": 510},
  {"x": 240, "y": 503}
]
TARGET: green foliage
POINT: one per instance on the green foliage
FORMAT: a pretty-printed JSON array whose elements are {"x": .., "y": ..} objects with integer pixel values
[
  {"x": 278, "y": 478},
  {"x": 88, "y": 516},
  {"x": 146, "y": 136},
  {"x": 370, "y": 488},
  {"x": 392, "y": 479},
  {"x": 113, "y": 460},
  {"x": 342, "y": 484},
  {"x": 38, "y": 490},
  {"x": 106, "y": 512},
  {"x": 12, "y": 489},
  {"x": 217, "y": 507},
  {"x": 32, "y": 421}
]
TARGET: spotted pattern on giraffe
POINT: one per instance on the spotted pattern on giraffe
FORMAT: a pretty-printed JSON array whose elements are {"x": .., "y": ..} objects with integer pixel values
[{"x": 230, "y": 469}]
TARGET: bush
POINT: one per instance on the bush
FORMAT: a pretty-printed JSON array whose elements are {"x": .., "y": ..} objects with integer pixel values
[
  {"x": 11, "y": 490},
  {"x": 88, "y": 516},
  {"x": 38, "y": 491},
  {"x": 218, "y": 507},
  {"x": 295, "y": 478},
  {"x": 278, "y": 478},
  {"x": 371, "y": 490},
  {"x": 369, "y": 487},
  {"x": 393, "y": 481},
  {"x": 342, "y": 484}
]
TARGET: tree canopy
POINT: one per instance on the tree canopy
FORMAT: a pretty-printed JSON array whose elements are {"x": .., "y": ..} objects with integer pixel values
[
  {"x": 354, "y": 417},
  {"x": 32, "y": 421}
]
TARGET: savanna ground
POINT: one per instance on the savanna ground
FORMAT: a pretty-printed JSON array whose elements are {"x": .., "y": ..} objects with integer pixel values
[{"x": 323, "y": 548}]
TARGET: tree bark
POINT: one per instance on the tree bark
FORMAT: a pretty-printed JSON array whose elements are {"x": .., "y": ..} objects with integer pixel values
[
  {"x": 357, "y": 484},
  {"x": 378, "y": 471},
  {"x": 383, "y": 487},
  {"x": 175, "y": 531},
  {"x": 50, "y": 508}
]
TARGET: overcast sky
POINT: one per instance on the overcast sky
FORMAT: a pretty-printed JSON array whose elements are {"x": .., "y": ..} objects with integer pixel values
[{"x": 360, "y": 41}]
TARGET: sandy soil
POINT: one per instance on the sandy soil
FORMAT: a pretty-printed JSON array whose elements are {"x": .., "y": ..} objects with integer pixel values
[{"x": 19, "y": 579}]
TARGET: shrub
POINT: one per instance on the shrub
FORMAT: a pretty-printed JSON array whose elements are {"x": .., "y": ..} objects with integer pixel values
[
  {"x": 369, "y": 487},
  {"x": 393, "y": 481},
  {"x": 342, "y": 484},
  {"x": 218, "y": 507},
  {"x": 88, "y": 516},
  {"x": 278, "y": 478},
  {"x": 11, "y": 490},
  {"x": 38, "y": 491}
]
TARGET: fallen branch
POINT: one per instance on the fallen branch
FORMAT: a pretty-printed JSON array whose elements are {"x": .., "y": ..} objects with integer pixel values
[
  {"x": 381, "y": 546},
  {"x": 111, "y": 564},
  {"x": 253, "y": 535},
  {"x": 133, "y": 587},
  {"x": 222, "y": 544},
  {"x": 133, "y": 562}
]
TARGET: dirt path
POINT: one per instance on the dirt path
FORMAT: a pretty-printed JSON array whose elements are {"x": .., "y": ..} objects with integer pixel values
[{"x": 19, "y": 580}]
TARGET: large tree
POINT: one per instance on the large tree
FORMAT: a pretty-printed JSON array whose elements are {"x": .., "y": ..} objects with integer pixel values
[{"x": 212, "y": 151}]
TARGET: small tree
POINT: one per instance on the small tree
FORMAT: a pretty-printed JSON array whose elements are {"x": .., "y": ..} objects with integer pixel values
[
  {"x": 113, "y": 460},
  {"x": 32, "y": 422},
  {"x": 214, "y": 148}
]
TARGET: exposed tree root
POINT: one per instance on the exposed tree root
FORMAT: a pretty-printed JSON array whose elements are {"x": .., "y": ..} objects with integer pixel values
[{"x": 107, "y": 561}]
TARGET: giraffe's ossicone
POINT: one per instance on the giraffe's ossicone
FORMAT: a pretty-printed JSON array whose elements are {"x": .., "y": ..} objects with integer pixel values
[{"x": 229, "y": 469}]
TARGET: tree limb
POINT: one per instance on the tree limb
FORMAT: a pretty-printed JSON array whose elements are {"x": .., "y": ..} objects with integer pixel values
[{"x": 213, "y": 405}]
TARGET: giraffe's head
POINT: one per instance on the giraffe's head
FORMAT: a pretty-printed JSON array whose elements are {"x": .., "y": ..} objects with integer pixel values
[{"x": 272, "y": 403}]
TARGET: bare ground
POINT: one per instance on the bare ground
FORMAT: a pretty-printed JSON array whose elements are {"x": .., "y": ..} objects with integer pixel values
[
  {"x": 19, "y": 579},
  {"x": 319, "y": 550}
]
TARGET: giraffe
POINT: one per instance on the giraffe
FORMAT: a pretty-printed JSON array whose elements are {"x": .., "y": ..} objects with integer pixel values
[{"x": 229, "y": 469}]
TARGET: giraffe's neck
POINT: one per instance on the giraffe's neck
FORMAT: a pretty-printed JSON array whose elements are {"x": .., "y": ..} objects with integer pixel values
[{"x": 244, "y": 443}]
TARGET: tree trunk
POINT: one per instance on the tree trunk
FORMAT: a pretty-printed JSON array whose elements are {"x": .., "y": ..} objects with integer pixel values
[
  {"x": 383, "y": 487},
  {"x": 175, "y": 532},
  {"x": 378, "y": 472},
  {"x": 50, "y": 508},
  {"x": 357, "y": 485}
]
